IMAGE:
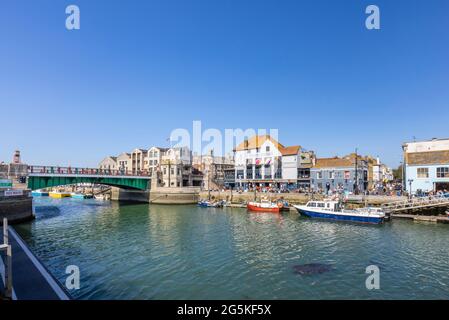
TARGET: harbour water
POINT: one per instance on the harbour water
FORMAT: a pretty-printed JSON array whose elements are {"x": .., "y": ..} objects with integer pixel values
[{"x": 141, "y": 251}]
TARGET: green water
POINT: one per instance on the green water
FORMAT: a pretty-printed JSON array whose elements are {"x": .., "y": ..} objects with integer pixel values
[{"x": 141, "y": 251}]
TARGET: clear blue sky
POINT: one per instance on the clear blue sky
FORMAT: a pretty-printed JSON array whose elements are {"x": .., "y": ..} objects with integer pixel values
[{"x": 138, "y": 69}]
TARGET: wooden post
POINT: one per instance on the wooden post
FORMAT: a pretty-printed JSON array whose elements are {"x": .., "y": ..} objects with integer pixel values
[
  {"x": 5, "y": 231},
  {"x": 8, "y": 266}
]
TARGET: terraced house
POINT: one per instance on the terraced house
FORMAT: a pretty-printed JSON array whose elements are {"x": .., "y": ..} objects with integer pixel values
[
  {"x": 426, "y": 165},
  {"x": 340, "y": 174}
]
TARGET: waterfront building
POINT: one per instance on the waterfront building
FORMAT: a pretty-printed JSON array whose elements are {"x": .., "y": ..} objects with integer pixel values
[
  {"x": 426, "y": 165},
  {"x": 124, "y": 162},
  {"x": 138, "y": 161},
  {"x": 339, "y": 174},
  {"x": 213, "y": 169},
  {"x": 381, "y": 173},
  {"x": 154, "y": 158},
  {"x": 176, "y": 169},
  {"x": 263, "y": 161},
  {"x": 108, "y": 163}
]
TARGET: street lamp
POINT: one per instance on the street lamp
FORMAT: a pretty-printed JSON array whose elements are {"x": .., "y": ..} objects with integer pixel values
[{"x": 410, "y": 181}]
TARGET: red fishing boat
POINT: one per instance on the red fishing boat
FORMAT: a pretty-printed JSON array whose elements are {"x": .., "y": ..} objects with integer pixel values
[{"x": 264, "y": 206}]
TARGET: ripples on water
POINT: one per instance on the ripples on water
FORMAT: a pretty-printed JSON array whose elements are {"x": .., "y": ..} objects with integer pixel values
[{"x": 138, "y": 251}]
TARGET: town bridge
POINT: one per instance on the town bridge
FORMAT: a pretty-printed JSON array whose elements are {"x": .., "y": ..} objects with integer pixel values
[{"x": 40, "y": 177}]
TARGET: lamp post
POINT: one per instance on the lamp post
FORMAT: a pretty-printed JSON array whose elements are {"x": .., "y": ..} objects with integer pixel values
[{"x": 410, "y": 181}]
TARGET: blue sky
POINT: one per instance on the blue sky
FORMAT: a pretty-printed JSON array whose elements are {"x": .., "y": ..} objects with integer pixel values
[{"x": 139, "y": 69}]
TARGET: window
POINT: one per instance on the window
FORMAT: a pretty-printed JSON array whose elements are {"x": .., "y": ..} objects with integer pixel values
[
  {"x": 267, "y": 148},
  {"x": 303, "y": 173},
  {"x": 443, "y": 172},
  {"x": 331, "y": 175},
  {"x": 319, "y": 175},
  {"x": 423, "y": 172}
]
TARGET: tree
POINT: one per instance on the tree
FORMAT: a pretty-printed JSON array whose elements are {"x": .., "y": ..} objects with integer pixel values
[{"x": 398, "y": 173}]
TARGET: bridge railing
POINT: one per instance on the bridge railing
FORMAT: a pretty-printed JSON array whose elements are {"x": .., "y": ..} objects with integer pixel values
[{"x": 84, "y": 171}]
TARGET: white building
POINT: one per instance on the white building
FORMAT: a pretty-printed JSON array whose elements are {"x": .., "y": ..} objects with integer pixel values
[
  {"x": 263, "y": 160},
  {"x": 154, "y": 158},
  {"x": 426, "y": 165},
  {"x": 381, "y": 173},
  {"x": 176, "y": 168}
]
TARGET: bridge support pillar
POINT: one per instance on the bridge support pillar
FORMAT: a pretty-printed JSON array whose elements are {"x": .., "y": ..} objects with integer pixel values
[{"x": 119, "y": 194}]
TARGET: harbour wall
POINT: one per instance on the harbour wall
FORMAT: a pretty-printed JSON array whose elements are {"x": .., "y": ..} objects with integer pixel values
[
  {"x": 295, "y": 198},
  {"x": 16, "y": 208}
]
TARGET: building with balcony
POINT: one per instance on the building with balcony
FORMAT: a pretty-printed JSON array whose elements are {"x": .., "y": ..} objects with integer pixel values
[
  {"x": 138, "y": 161},
  {"x": 426, "y": 165},
  {"x": 263, "y": 161}
]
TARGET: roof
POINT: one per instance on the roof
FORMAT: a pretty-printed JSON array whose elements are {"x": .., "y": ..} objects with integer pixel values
[
  {"x": 159, "y": 148},
  {"x": 256, "y": 142},
  {"x": 333, "y": 162},
  {"x": 288, "y": 151},
  {"x": 428, "y": 157}
]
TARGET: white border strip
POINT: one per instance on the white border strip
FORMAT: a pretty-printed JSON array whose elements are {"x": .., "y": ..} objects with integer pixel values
[
  {"x": 2, "y": 274},
  {"x": 56, "y": 288}
]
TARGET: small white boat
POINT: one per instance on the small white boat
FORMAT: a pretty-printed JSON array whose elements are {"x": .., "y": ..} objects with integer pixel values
[{"x": 329, "y": 209}]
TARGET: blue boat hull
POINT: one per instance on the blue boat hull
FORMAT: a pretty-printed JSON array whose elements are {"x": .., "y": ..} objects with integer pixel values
[
  {"x": 320, "y": 215},
  {"x": 39, "y": 194},
  {"x": 78, "y": 196}
]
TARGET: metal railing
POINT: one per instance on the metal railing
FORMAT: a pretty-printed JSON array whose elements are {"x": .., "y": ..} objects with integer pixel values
[
  {"x": 85, "y": 171},
  {"x": 6, "y": 248},
  {"x": 416, "y": 202}
]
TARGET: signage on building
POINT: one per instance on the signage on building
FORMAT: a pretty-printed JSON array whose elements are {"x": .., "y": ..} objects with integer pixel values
[
  {"x": 4, "y": 183},
  {"x": 13, "y": 193}
]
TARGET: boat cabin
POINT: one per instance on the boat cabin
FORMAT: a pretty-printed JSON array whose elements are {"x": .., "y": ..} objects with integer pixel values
[{"x": 325, "y": 205}]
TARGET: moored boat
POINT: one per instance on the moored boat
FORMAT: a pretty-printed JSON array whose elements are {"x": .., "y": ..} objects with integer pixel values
[
  {"x": 329, "y": 209},
  {"x": 210, "y": 204},
  {"x": 264, "y": 206},
  {"x": 39, "y": 193},
  {"x": 59, "y": 195},
  {"x": 78, "y": 196}
]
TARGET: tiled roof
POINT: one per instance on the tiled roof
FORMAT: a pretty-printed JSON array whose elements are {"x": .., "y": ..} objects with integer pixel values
[
  {"x": 430, "y": 157},
  {"x": 333, "y": 162},
  {"x": 288, "y": 151},
  {"x": 257, "y": 142}
]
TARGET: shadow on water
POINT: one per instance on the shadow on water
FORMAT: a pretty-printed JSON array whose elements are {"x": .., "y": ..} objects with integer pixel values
[
  {"x": 312, "y": 268},
  {"x": 47, "y": 212}
]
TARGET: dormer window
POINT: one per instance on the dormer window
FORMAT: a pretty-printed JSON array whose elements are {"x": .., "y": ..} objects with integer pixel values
[{"x": 267, "y": 149}]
